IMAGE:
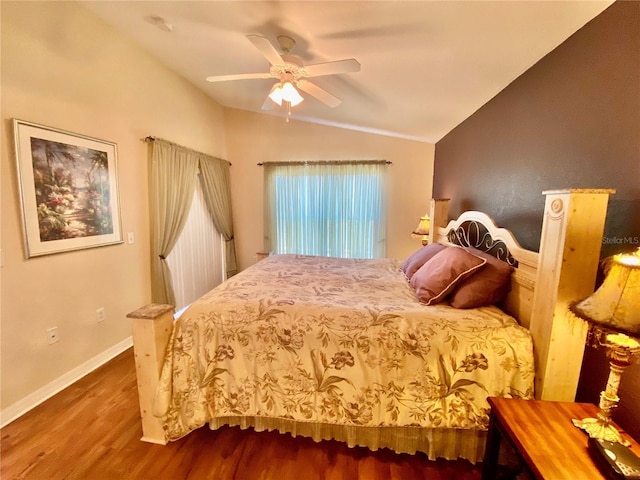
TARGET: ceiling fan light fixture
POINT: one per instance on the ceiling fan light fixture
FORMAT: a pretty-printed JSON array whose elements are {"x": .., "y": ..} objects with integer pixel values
[
  {"x": 285, "y": 92},
  {"x": 290, "y": 94},
  {"x": 276, "y": 93}
]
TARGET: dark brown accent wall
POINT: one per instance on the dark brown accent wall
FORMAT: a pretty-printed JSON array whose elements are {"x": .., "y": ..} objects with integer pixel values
[{"x": 570, "y": 121}]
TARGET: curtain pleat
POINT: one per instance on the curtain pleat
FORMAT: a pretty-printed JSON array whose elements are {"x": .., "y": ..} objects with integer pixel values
[
  {"x": 330, "y": 209},
  {"x": 216, "y": 186}
]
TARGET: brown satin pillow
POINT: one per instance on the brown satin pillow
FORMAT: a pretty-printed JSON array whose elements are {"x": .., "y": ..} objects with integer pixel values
[
  {"x": 486, "y": 287},
  {"x": 419, "y": 257},
  {"x": 439, "y": 275}
]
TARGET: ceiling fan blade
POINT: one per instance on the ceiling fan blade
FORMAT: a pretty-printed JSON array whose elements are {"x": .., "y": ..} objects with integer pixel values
[
  {"x": 266, "y": 48},
  {"x": 322, "y": 95},
  {"x": 240, "y": 76},
  {"x": 330, "y": 68}
]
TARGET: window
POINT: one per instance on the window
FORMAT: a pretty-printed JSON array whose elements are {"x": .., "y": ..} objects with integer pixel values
[{"x": 334, "y": 209}]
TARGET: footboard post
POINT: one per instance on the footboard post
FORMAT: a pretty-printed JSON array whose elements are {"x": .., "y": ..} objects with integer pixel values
[
  {"x": 570, "y": 245},
  {"x": 151, "y": 329}
]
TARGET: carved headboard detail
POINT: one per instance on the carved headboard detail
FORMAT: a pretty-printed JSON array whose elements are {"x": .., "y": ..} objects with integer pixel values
[{"x": 472, "y": 233}]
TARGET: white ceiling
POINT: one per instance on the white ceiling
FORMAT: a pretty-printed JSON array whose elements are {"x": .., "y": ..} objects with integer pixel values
[{"x": 426, "y": 65}]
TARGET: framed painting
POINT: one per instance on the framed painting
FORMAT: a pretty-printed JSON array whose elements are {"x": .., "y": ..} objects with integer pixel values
[{"x": 68, "y": 190}]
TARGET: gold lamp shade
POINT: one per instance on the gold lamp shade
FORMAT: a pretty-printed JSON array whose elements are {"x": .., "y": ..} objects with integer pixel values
[
  {"x": 616, "y": 304},
  {"x": 422, "y": 230},
  {"x": 423, "y": 226}
]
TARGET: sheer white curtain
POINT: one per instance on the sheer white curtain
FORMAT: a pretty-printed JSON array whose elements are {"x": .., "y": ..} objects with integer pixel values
[
  {"x": 334, "y": 209},
  {"x": 196, "y": 261}
]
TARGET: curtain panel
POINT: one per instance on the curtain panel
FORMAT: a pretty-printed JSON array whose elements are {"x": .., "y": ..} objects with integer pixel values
[
  {"x": 216, "y": 185},
  {"x": 173, "y": 173},
  {"x": 334, "y": 208}
]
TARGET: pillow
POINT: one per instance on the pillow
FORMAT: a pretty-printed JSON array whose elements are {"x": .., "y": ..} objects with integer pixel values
[
  {"x": 419, "y": 257},
  {"x": 487, "y": 287},
  {"x": 439, "y": 275}
]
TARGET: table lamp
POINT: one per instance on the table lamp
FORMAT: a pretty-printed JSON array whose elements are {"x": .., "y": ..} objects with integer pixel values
[
  {"x": 422, "y": 230},
  {"x": 614, "y": 314}
]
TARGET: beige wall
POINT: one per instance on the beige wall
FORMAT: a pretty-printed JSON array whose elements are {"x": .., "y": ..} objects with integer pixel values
[
  {"x": 254, "y": 138},
  {"x": 63, "y": 67}
]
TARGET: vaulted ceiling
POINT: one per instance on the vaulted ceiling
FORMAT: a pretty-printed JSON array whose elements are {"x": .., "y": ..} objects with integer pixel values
[{"x": 425, "y": 65}]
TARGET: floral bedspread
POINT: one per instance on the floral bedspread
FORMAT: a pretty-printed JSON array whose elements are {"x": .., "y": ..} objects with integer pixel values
[{"x": 341, "y": 341}]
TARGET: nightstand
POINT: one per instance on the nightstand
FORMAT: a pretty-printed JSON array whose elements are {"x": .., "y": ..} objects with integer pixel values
[
  {"x": 543, "y": 438},
  {"x": 262, "y": 255}
]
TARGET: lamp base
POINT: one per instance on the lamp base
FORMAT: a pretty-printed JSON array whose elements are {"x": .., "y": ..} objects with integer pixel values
[
  {"x": 596, "y": 428},
  {"x": 621, "y": 350}
]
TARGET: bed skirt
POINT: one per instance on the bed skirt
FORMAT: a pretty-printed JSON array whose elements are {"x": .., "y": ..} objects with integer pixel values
[{"x": 446, "y": 443}]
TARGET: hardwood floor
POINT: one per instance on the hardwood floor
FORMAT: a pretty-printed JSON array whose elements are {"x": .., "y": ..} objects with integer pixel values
[{"x": 91, "y": 430}]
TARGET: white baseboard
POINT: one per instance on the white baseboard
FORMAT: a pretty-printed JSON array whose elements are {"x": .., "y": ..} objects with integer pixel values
[{"x": 34, "y": 399}]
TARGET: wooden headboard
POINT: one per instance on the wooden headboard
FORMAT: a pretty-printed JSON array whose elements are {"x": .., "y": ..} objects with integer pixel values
[{"x": 544, "y": 283}]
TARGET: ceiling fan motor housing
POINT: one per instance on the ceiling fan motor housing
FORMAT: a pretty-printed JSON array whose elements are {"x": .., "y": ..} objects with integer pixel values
[{"x": 292, "y": 68}]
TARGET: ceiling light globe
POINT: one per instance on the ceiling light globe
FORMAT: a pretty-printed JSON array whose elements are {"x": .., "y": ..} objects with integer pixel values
[{"x": 290, "y": 94}]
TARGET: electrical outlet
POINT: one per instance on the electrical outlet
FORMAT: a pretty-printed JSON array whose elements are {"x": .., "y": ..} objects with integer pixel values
[
  {"x": 101, "y": 314},
  {"x": 52, "y": 335}
]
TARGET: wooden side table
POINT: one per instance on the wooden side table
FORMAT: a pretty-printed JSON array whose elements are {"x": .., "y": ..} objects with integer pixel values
[
  {"x": 542, "y": 435},
  {"x": 262, "y": 255}
]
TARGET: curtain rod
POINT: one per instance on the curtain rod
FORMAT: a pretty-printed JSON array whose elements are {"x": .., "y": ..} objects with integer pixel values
[
  {"x": 151, "y": 138},
  {"x": 328, "y": 162}
]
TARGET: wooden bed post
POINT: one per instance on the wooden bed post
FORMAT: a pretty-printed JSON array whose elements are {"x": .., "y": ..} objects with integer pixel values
[
  {"x": 570, "y": 244},
  {"x": 439, "y": 215},
  {"x": 151, "y": 328}
]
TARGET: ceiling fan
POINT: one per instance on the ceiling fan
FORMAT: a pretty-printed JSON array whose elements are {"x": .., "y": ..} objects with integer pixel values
[{"x": 291, "y": 73}]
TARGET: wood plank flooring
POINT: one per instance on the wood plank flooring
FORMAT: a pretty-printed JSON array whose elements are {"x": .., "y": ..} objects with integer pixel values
[{"x": 91, "y": 431}]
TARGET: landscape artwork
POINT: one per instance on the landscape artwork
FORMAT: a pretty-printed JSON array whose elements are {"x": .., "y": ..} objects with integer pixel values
[
  {"x": 72, "y": 190},
  {"x": 68, "y": 185}
]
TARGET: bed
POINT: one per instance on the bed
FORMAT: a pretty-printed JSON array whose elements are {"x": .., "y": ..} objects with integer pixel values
[{"x": 343, "y": 349}]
